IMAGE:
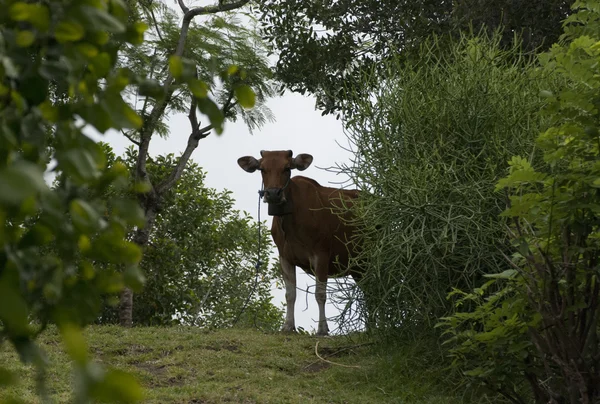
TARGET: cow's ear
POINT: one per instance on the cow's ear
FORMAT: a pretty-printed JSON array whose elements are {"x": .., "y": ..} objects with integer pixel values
[
  {"x": 248, "y": 163},
  {"x": 302, "y": 161}
]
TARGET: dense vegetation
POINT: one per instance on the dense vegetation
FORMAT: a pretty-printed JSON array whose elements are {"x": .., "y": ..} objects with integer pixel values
[
  {"x": 200, "y": 260},
  {"x": 325, "y": 45},
  {"x": 66, "y": 248},
  {"x": 429, "y": 145},
  {"x": 477, "y": 149}
]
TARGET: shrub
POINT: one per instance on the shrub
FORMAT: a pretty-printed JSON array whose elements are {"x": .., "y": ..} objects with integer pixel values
[
  {"x": 430, "y": 143},
  {"x": 56, "y": 74},
  {"x": 547, "y": 313}
]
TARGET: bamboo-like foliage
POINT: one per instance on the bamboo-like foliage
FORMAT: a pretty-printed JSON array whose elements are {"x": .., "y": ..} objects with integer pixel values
[{"x": 430, "y": 144}]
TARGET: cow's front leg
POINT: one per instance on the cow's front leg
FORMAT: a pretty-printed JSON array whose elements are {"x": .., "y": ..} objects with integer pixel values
[
  {"x": 289, "y": 279},
  {"x": 321, "y": 296}
]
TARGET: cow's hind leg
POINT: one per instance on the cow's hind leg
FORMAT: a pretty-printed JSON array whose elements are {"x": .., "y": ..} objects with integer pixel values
[
  {"x": 289, "y": 279},
  {"x": 321, "y": 267}
]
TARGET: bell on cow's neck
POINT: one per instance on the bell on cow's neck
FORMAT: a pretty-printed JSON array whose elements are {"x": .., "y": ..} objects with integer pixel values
[{"x": 281, "y": 209}]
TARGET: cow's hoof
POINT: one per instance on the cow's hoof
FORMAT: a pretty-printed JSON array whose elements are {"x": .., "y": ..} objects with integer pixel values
[{"x": 323, "y": 333}]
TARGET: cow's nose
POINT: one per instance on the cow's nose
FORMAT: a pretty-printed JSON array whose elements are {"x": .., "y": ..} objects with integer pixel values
[{"x": 273, "y": 194}]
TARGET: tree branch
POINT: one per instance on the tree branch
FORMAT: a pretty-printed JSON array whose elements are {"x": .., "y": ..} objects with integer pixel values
[
  {"x": 219, "y": 8},
  {"x": 193, "y": 140},
  {"x": 135, "y": 142},
  {"x": 183, "y": 6},
  {"x": 161, "y": 105},
  {"x": 156, "y": 25}
]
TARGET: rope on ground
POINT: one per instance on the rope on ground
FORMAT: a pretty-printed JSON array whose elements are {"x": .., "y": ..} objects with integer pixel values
[{"x": 330, "y": 362}]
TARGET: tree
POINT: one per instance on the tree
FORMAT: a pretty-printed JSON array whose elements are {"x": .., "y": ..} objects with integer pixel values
[
  {"x": 549, "y": 304},
  {"x": 324, "y": 45},
  {"x": 200, "y": 259},
  {"x": 62, "y": 248},
  {"x": 218, "y": 68}
]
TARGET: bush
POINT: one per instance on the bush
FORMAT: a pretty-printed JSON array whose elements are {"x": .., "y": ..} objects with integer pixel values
[
  {"x": 430, "y": 144},
  {"x": 57, "y": 73},
  {"x": 200, "y": 259},
  {"x": 547, "y": 314}
]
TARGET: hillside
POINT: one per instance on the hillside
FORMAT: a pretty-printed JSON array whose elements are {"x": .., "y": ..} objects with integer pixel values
[{"x": 188, "y": 365}]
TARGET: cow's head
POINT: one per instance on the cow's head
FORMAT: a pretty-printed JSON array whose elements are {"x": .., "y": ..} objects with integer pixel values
[{"x": 275, "y": 167}]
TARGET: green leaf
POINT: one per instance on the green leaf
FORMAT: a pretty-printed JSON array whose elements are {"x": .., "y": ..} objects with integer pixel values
[
  {"x": 36, "y": 236},
  {"x": 134, "y": 278},
  {"x": 97, "y": 116},
  {"x": 40, "y": 17},
  {"x": 20, "y": 11},
  {"x": 35, "y": 91},
  {"x": 151, "y": 88},
  {"x": 25, "y": 39},
  {"x": 79, "y": 164},
  {"x": 245, "y": 96},
  {"x": 231, "y": 70},
  {"x": 21, "y": 181},
  {"x": 176, "y": 66},
  {"x": 198, "y": 88},
  {"x": 117, "y": 386},
  {"x": 99, "y": 20},
  {"x": 84, "y": 216},
  {"x": 131, "y": 210},
  {"x": 75, "y": 344},
  {"x": 13, "y": 308},
  {"x": 135, "y": 34},
  {"x": 55, "y": 69},
  {"x": 69, "y": 31},
  {"x": 121, "y": 114},
  {"x": 101, "y": 64},
  {"x": 509, "y": 273},
  {"x": 215, "y": 115}
]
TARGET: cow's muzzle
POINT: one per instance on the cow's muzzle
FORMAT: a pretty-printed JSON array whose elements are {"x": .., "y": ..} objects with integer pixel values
[{"x": 274, "y": 195}]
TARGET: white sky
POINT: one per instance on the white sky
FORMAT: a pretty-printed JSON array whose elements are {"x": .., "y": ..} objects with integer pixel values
[{"x": 298, "y": 127}]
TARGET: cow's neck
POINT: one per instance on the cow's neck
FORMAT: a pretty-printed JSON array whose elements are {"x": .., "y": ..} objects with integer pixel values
[{"x": 281, "y": 209}]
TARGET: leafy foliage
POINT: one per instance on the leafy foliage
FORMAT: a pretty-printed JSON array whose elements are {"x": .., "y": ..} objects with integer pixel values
[
  {"x": 215, "y": 67},
  {"x": 430, "y": 143},
  {"x": 200, "y": 259},
  {"x": 324, "y": 45},
  {"x": 554, "y": 213},
  {"x": 57, "y": 72},
  {"x": 221, "y": 60}
]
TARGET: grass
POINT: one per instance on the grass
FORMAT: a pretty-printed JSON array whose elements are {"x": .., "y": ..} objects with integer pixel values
[{"x": 189, "y": 365}]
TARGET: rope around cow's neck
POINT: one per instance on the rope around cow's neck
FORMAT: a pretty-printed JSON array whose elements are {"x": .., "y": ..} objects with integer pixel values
[{"x": 258, "y": 264}]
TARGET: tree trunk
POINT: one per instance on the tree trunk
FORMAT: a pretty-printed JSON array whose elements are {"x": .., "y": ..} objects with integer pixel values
[
  {"x": 150, "y": 203},
  {"x": 126, "y": 308}
]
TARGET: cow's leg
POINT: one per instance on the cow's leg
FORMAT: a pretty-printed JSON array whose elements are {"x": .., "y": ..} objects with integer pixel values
[
  {"x": 321, "y": 296},
  {"x": 321, "y": 266},
  {"x": 289, "y": 278}
]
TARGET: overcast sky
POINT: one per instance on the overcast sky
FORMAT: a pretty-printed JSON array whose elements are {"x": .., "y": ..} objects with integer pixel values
[{"x": 298, "y": 127}]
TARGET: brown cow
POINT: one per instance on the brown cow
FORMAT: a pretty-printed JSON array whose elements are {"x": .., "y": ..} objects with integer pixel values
[{"x": 306, "y": 228}]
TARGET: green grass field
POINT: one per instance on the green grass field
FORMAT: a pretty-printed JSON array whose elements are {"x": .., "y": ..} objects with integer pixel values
[{"x": 188, "y": 365}]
